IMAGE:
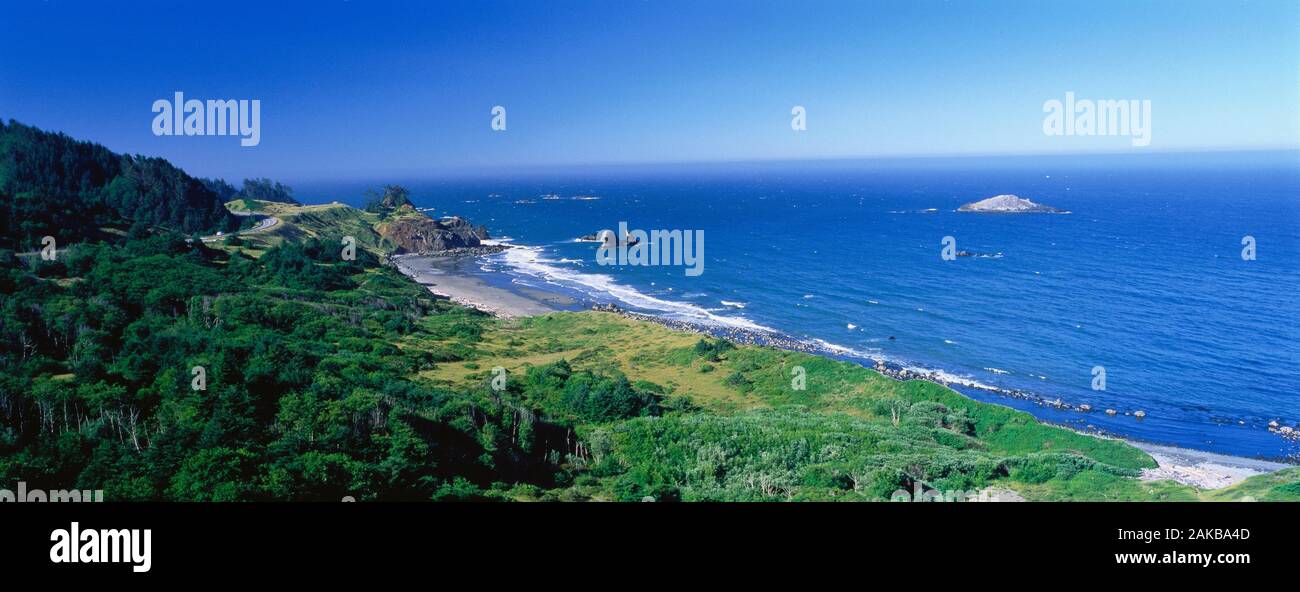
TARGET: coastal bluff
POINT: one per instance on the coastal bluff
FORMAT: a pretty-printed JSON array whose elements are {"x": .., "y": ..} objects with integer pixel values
[
  {"x": 424, "y": 235},
  {"x": 1009, "y": 204}
]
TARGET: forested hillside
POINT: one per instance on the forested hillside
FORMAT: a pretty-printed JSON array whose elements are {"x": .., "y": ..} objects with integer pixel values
[
  {"x": 53, "y": 185},
  {"x": 306, "y": 395},
  {"x": 255, "y": 189}
]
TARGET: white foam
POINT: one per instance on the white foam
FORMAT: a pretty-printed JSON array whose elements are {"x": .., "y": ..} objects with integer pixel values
[
  {"x": 876, "y": 356},
  {"x": 529, "y": 261},
  {"x": 733, "y": 304},
  {"x": 950, "y": 378},
  {"x": 836, "y": 348}
]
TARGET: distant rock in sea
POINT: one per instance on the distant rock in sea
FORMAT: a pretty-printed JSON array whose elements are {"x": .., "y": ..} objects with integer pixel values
[
  {"x": 979, "y": 255},
  {"x": 1009, "y": 204},
  {"x": 599, "y": 237}
]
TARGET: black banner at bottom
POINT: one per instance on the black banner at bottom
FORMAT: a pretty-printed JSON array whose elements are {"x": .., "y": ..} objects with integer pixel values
[{"x": 166, "y": 543}]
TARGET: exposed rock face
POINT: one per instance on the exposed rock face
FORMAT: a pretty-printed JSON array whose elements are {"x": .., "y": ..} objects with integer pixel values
[
  {"x": 601, "y": 237},
  {"x": 424, "y": 235},
  {"x": 1009, "y": 204}
]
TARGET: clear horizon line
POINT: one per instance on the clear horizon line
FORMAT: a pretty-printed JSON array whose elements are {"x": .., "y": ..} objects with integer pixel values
[{"x": 453, "y": 170}]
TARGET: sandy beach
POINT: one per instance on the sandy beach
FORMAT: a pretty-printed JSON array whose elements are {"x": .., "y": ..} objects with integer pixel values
[
  {"x": 455, "y": 277},
  {"x": 1205, "y": 470}
]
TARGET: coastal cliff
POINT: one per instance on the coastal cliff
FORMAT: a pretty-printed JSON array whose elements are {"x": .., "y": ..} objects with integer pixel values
[
  {"x": 406, "y": 229},
  {"x": 424, "y": 235}
]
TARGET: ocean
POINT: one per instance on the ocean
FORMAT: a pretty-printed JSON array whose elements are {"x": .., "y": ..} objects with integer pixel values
[{"x": 1144, "y": 277}]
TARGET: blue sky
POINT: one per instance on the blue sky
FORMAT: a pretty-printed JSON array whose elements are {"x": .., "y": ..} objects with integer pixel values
[{"x": 360, "y": 89}]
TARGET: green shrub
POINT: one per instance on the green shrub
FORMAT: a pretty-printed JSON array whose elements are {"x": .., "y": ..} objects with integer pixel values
[
  {"x": 738, "y": 381},
  {"x": 712, "y": 350}
]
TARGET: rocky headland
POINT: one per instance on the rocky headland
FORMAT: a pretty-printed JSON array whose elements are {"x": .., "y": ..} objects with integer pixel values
[{"x": 423, "y": 235}]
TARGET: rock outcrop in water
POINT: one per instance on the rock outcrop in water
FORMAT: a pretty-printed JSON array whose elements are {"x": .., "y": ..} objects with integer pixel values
[
  {"x": 1009, "y": 204},
  {"x": 597, "y": 237}
]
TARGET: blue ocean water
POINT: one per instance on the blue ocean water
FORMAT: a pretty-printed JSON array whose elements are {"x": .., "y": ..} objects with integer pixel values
[{"x": 1144, "y": 277}]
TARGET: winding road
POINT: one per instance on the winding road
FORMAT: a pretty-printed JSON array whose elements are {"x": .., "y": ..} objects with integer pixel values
[{"x": 262, "y": 225}]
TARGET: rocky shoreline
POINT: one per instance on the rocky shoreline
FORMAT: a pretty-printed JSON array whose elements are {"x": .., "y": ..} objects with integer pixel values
[
  {"x": 899, "y": 372},
  {"x": 482, "y": 249}
]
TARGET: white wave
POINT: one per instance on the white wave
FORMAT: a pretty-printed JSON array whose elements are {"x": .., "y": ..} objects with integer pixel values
[
  {"x": 529, "y": 261},
  {"x": 851, "y": 326},
  {"x": 836, "y": 348},
  {"x": 998, "y": 371},
  {"x": 950, "y": 342},
  {"x": 950, "y": 378},
  {"x": 925, "y": 211},
  {"x": 733, "y": 304},
  {"x": 876, "y": 356},
  {"x": 873, "y": 302}
]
